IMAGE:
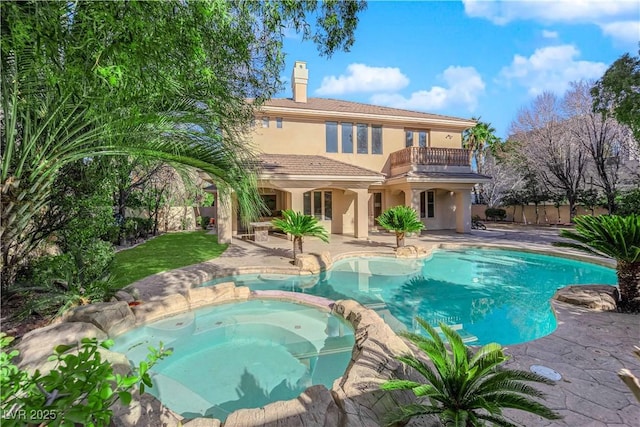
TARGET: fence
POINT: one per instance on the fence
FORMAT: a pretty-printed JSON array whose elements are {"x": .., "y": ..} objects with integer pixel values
[{"x": 547, "y": 214}]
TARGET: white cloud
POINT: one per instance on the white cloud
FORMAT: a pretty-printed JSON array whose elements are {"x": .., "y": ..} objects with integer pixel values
[
  {"x": 463, "y": 87},
  {"x": 363, "y": 78},
  {"x": 625, "y": 31},
  {"x": 603, "y": 13},
  {"x": 549, "y": 34},
  {"x": 551, "y": 68}
]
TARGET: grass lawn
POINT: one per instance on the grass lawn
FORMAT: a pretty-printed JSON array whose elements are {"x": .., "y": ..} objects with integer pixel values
[{"x": 164, "y": 253}]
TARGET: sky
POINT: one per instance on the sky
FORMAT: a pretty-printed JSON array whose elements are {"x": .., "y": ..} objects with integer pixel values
[{"x": 470, "y": 58}]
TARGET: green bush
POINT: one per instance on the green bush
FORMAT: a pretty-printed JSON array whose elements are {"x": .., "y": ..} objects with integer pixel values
[
  {"x": 52, "y": 284},
  {"x": 204, "y": 222},
  {"x": 495, "y": 214},
  {"x": 628, "y": 203},
  {"x": 79, "y": 390}
]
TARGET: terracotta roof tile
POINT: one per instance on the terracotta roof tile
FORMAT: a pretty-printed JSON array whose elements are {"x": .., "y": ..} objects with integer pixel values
[
  {"x": 327, "y": 104},
  {"x": 296, "y": 164}
]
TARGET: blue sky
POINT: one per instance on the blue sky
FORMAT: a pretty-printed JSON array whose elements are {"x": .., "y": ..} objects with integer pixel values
[{"x": 470, "y": 58}]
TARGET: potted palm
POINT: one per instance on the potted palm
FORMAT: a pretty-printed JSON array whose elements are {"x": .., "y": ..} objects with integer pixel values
[
  {"x": 299, "y": 225},
  {"x": 616, "y": 237},
  {"x": 401, "y": 220},
  {"x": 461, "y": 388}
]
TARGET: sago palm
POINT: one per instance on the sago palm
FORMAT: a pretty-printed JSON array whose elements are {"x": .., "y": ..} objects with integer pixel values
[
  {"x": 465, "y": 389},
  {"x": 616, "y": 237},
  {"x": 43, "y": 131},
  {"x": 299, "y": 226},
  {"x": 400, "y": 219}
]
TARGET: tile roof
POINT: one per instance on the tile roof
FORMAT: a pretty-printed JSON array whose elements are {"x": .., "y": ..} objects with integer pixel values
[
  {"x": 297, "y": 164},
  {"x": 337, "y": 105}
]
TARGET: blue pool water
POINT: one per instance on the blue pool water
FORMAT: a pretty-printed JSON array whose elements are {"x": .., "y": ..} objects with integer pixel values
[
  {"x": 241, "y": 355},
  {"x": 487, "y": 295}
]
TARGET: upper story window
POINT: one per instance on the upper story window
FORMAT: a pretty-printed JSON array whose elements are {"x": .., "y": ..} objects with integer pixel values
[
  {"x": 279, "y": 122},
  {"x": 363, "y": 138},
  {"x": 376, "y": 139},
  {"x": 420, "y": 136},
  {"x": 408, "y": 138},
  {"x": 332, "y": 137},
  {"x": 347, "y": 137},
  {"x": 265, "y": 122},
  {"x": 422, "y": 139}
]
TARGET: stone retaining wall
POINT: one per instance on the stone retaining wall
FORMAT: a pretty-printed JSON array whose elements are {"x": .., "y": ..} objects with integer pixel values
[{"x": 354, "y": 400}]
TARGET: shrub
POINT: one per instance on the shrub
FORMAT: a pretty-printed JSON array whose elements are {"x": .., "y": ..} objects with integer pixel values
[
  {"x": 204, "y": 222},
  {"x": 495, "y": 214},
  {"x": 401, "y": 220},
  {"x": 80, "y": 389},
  {"x": 628, "y": 203},
  {"x": 463, "y": 388}
]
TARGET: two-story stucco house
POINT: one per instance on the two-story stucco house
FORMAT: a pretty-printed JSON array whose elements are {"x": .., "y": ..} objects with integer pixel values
[{"x": 345, "y": 162}]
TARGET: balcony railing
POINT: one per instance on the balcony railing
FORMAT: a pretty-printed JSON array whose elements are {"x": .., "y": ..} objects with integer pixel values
[{"x": 430, "y": 156}]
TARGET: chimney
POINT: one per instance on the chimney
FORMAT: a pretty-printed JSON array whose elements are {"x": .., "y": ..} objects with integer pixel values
[{"x": 299, "y": 80}]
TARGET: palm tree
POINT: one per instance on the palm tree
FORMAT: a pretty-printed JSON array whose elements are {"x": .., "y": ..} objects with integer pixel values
[
  {"x": 299, "y": 226},
  {"x": 616, "y": 237},
  {"x": 464, "y": 389},
  {"x": 44, "y": 131},
  {"x": 401, "y": 219},
  {"x": 478, "y": 139}
]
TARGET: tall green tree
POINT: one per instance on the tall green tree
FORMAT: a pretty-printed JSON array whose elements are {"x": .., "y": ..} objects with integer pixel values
[
  {"x": 616, "y": 93},
  {"x": 299, "y": 226},
  {"x": 401, "y": 220},
  {"x": 616, "y": 237},
  {"x": 167, "y": 80},
  {"x": 465, "y": 389},
  {"x": 478, "y": 140}
]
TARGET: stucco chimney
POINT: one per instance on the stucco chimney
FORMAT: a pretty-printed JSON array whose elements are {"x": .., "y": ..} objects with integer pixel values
[{"x": 299, "y": 80}]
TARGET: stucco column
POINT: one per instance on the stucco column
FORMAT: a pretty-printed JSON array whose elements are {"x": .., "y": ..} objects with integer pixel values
[
  {"x": 412, "y": 199},
  {"x": 463, "y": 211},
  {"x": 361, "y": 217},
  {"x": 297, "y": 200},
  {"x": 224, "y": 217}
]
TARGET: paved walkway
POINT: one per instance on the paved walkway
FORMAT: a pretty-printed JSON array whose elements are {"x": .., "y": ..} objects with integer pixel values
[{"x": 587, "y": 349}]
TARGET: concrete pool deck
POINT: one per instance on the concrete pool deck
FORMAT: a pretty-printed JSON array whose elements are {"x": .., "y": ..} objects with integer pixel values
[{"x": 588, "y": 348}]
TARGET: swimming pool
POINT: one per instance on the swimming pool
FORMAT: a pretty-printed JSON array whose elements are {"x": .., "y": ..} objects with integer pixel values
[
  {"x": 488, "y": 295},
  {"x": 241, "y": 355}
]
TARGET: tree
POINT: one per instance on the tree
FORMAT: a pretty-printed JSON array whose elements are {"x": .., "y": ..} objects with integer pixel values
[
  {"x": 465, "y": 389},
  {"x": 549, "y": 149},
  {"x": 602, "y": 137},
  {"x": 616, "y": 93},
  {"x": 299, "y": 226},
  {"x": 401, "y": 220},
  {"x": 478, "y": 140},
  {"x": 167, "y": 80},
  {"x": 616, "y": 237}
]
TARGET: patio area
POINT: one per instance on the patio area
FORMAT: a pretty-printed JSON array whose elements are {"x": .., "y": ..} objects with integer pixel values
[{"x": 587, "y": 349}]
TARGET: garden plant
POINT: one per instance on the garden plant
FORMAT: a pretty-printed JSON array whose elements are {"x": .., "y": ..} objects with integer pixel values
[
  {"x": 299, "y": 226},
  {"x": 461, "y": 388},
  {"x": 401, "y": 220}
]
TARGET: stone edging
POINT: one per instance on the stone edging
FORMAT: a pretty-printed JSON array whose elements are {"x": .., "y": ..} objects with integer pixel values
[{"x": 355, "y": 398}]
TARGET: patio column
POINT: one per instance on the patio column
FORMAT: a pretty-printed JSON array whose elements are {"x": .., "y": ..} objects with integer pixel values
[
  {"x": 412, "y": 199},
  {"x": 224, "y": 217},
  {"x": 361, "y": 217},
  {"x": 297, "y": 200},
  {"x": 463, "y": 211}
]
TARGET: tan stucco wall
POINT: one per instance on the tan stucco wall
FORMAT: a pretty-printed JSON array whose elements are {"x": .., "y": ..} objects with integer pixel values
[
  {"x": 551, "y": 216},
  {"x": 306, "y": 136}
]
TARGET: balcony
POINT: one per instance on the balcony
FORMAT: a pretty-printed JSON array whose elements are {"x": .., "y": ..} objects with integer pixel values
[{"x": 430, "y": 156}]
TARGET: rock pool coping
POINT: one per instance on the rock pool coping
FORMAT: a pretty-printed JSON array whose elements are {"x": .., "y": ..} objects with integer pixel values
[{"x": 354, "y": 399}]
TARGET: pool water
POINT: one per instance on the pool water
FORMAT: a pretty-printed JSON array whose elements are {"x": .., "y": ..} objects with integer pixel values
[
  {"x": 487, "y": 295},
  {"x": 241, "y": 355}
]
